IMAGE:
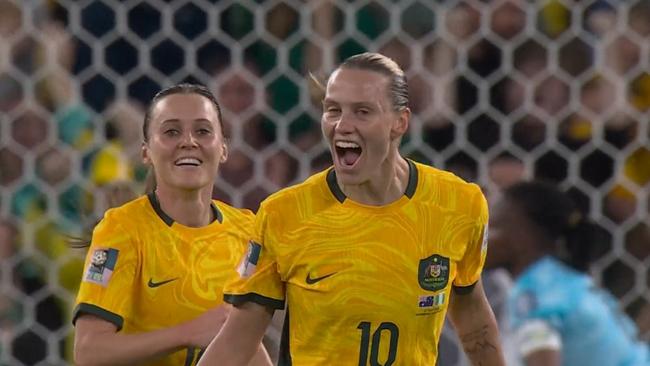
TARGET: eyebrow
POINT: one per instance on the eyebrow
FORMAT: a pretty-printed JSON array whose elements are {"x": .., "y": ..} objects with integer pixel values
[
  {"x": 176, "y": 120},
  {"x": 365, "y": 104},
  {"x": 355, "y": 104}
]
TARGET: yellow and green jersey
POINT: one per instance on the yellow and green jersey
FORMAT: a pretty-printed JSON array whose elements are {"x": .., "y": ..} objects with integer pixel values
[
  {"x": 364, "y": 285},
  {"x": 145, "y": 272}
]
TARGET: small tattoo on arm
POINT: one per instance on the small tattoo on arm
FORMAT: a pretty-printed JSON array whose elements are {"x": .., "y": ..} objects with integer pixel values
[{"x": 477, "y": 345}]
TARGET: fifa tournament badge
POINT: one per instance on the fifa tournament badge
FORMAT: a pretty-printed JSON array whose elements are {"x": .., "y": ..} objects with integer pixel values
[
  {"x": 247, "y": 266},
  {"x": 101, "y": 266},
  {"x": 484, "y": 245}
]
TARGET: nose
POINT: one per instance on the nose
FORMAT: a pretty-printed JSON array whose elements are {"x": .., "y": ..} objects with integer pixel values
[
  {"x": 344, "y": 124},
  {"x": 188, "y": 140}
]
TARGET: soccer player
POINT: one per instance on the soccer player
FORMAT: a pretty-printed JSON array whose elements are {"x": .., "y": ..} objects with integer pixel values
[
  {"x": 557, "y": 314},
  {"x": 151, "y": 288},
  {"x": 369, "y": 255}
]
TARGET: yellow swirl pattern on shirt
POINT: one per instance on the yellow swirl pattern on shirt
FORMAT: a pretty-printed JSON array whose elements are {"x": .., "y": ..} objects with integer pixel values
[
  {"x": 371, "y": 257},
  {"x": 199, "y": 261}
]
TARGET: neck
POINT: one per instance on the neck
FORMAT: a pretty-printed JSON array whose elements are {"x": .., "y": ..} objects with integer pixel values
[
  {"x": 525, "y": 260},
  {"x": 385, "y": 186},
  {"x": 187, "y": 207}
]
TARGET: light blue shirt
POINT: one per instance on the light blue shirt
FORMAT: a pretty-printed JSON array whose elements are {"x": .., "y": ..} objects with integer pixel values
[{"x": 592, "y": 329}]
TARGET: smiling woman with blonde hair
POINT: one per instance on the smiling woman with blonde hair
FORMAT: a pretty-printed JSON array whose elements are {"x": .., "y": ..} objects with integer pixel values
[{"x": 369, "y": 255}]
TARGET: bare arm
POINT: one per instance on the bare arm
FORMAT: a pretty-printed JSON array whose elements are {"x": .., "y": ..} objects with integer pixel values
[
  {"x": 476, "y": 327},
  {"x": 240, "y": 337},
  {"x": 97, "y": 341},
  {"x": 539, "y": 343},
  {"x": 546, "y": 357},
  {"x": 261, "y": 357}
]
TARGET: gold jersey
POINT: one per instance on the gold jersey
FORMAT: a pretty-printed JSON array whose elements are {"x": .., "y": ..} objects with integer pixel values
[
  {"x": 364, "y": 285},
  {"x": 145, "y": 272}
]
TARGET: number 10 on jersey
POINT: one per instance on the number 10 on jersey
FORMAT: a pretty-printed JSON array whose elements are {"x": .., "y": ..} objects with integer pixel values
[{"x": 371, "y": 344}]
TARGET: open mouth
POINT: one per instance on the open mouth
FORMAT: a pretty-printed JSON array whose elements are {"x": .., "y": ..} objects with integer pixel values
[
  {"x": 188, "y": 162},
  {"x": 348, "y": 153}
]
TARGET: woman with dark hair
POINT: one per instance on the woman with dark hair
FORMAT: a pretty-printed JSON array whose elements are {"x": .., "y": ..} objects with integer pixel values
[
  {"x": 557, "y": 314},
  {"x": 152, "y": 284}
]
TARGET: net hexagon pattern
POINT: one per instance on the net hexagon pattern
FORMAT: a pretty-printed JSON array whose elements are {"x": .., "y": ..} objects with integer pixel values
[{"x": 500, "y": 90}]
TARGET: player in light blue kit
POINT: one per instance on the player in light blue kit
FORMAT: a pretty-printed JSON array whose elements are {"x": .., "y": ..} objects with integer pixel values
[{"x": 556, "y": 312}]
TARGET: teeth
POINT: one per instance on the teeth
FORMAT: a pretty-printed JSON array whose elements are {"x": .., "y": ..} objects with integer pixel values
[
  {"x": 347, "y": 145},
  {"x": 192, "y": 161}
]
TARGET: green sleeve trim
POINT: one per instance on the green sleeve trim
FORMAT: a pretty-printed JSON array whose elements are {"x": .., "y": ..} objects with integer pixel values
[
  {"x": 464, "y": 290},
  {"x": 189, "y": 358},
  {"x": 284, "y": 356},
  {"x": 85, "y": 308},
  {"x": 256, "y": 298}
]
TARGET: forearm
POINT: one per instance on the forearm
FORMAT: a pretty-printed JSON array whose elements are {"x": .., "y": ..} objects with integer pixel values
[
  {"x": 261, "y": 358},
  {"x": 544, "y": 358},
  {"x": 482, "y": 345},
  {"x": 476, "y": 327},
  {"x": 126, "y": 349},
  {"x": 239, "y": 338}
]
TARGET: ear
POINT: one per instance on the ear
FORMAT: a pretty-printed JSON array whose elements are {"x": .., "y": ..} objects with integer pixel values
[
  {"x": 144, "y": 152},
  {"x": 401, "y": 124},
  {"x": 224, "y": 153}
]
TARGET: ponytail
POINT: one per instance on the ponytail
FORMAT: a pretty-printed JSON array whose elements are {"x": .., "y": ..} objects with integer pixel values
[{"x": 116, "y": 195}]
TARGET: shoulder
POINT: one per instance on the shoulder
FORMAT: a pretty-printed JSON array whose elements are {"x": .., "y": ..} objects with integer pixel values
[
  {"x": 548, "y": 269},
  {"x": 234, "y": 212},
  {"x": 447, "y": 190},
  {"x": 129, "y": 213},
  {"x": 547, "y": 287},
  {"x": 438, "y": 179},
  {"x": 235, "y": 216},
  {"x": 122, "y": 227},
  {"x": 312, "y": 194}
]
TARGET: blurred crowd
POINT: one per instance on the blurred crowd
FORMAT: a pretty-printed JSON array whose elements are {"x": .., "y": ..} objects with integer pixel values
[{"x": 501, "y": 91}]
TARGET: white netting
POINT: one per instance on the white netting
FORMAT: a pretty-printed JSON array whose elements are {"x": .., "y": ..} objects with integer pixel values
[{"x": 500, "y": 89}]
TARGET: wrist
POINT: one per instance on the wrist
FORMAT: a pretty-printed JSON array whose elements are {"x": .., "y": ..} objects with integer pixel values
[{"x": 183, "y": 335}]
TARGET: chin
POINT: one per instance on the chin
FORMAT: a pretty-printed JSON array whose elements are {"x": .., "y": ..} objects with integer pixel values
[{"x": 191, "y": 185}]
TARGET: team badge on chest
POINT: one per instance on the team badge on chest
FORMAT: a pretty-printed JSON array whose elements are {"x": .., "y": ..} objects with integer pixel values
[{"x": 433, "y": 272}]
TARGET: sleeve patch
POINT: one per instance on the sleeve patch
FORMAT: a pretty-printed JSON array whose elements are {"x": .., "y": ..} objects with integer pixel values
[
  {"x": 101, "y": 266},
  {"x": 484, "y": 245},
  {"x": 536, "y": 335},
  {"x": 247, "y": 266}
]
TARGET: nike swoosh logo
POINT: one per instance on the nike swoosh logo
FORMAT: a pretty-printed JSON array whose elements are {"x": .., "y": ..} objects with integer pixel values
[
  {"x": 311, "y": 281},
  {"x": 156, "y": 284}
]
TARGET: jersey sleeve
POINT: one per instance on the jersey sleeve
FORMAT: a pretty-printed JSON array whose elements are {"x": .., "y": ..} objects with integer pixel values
[
  {"x": 109, "y": 274},
  {"x": 537, "y": 335},
  {"x": 471, "y": 265},
  {"x": 258, "y": 278},
  {"x": 536, "y": 325}
]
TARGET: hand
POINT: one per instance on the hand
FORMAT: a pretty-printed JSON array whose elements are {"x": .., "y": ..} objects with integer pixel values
[{"x": 201, "y": 330}]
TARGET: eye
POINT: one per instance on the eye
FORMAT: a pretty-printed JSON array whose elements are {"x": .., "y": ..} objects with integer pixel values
[
  {"x": 172, "y": 132},
  {"x": 363, "y": 111},
  {"x": 333, "y": 110},
  {"x": 203, "y": 131}
]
